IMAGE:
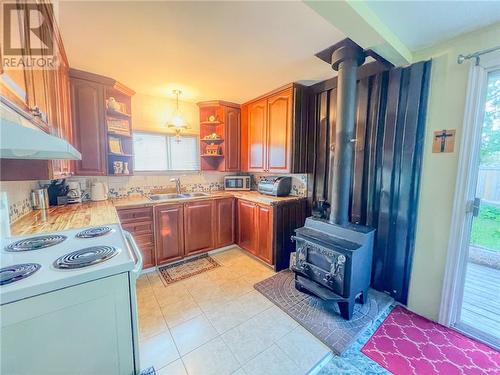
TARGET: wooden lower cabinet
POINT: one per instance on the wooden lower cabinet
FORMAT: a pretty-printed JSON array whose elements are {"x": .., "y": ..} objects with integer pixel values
[
  {"x": 246, "y": 225},
  {"x": 224, "y": 222},
  {"x": 198, "y": 227},
  {"x": 195, "y": 227},
  {"x": 255, "y": 229},
  {"x": 169, "y": 232},
  {"x": 139, "y": 222},
  {"x": 264, "y": 233}
]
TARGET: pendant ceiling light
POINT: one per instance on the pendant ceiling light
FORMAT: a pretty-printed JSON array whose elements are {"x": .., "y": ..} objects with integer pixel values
[{"x": 177, "y": 121}]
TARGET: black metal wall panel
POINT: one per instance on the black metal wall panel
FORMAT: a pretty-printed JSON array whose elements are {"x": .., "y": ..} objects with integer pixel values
[{"x": 390, "y": 123}]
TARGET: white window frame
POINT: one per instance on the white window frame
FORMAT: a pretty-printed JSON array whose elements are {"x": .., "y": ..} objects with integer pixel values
[{"x": 168, "y": 170}]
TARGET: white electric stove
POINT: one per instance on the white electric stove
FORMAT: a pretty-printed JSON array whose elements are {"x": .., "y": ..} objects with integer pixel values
[{"x": 68, "y": 302}]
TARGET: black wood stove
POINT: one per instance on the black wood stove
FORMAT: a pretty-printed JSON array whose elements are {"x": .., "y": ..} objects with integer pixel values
[
  {"x": 333, "y": 262},
  {"x": 333, "y": 257}
]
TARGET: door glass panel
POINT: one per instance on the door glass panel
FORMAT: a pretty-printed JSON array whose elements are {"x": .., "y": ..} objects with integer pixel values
[{"x": 481, "y": 298}]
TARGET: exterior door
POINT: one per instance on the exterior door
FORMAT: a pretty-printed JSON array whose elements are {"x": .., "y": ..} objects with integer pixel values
[
  {"x": 471, "y": 300},
  {"x": 481, "y": 291},
  {"x": 257, "y": 125},
  {"x": 279, "y": 110}
]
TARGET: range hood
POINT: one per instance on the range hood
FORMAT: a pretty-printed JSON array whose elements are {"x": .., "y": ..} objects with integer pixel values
[{"x": 20, "y": 139}]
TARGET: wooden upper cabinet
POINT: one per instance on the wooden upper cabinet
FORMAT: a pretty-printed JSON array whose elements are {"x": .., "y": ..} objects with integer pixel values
[
  {"x": 15, "y": 82},
  {"x": 264, "y": 224},
  {"x": 224, "y": 222},
  {"x": 232, "y": 141},
  {"x": 247, "y": 226},
  {"x": 257, "y": 131},
  {"x": 169, "y": 232},
  {"x": 89, "y": 127},
  {"x": 198, "y": 227},
  {"x": 45, "y": 89},
  {"x": 279, "y": 122},
  {"x": 275, "y": 129},
  {"x": 222, "y": 119}
]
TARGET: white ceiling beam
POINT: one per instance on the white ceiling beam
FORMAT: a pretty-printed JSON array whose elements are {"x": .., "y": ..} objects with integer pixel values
[{"x": 359, "y": 23}]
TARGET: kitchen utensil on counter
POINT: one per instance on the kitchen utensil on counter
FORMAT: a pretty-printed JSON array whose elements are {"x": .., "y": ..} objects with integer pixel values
[
  {"x": 56, "y": 189},
  {"x": 40, "y": 199},
  {"x": 278, "y": 186},
  {"x": 74, "y": 194},
  {"x": 99, "y": 191}
]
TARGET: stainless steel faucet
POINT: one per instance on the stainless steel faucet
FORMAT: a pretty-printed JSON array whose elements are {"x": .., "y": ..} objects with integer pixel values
[{"x": 177, "y": 184}]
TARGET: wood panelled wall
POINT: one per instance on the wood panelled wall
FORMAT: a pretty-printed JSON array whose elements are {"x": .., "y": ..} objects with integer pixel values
[{"x": 391, "y": 106}]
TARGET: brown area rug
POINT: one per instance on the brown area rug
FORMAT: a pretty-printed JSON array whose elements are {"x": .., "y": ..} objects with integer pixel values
[
  {"x": 187, "y": 268},
  {"x": 320, "y": 318}
]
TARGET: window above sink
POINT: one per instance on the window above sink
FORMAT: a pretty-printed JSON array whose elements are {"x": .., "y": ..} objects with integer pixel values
[{"x": 156, "y": 152}]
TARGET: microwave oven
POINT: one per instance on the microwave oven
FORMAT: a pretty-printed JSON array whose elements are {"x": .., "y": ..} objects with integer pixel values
[{"x": 236, "y": 182}]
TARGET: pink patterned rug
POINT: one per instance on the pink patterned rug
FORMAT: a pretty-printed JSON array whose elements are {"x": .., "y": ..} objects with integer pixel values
[{"x": 406, "y": 343}]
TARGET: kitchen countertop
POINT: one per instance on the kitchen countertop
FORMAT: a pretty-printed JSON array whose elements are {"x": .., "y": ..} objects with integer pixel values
[
  {"x": 88, "y": 214},
  {"x": 70, "y": 216}
]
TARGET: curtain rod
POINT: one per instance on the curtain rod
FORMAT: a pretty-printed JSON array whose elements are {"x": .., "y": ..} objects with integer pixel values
[{"x": 476, "y": 55}]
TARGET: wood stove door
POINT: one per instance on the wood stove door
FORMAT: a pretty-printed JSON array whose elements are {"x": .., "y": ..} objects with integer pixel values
[{"x": 324, "y": 266}]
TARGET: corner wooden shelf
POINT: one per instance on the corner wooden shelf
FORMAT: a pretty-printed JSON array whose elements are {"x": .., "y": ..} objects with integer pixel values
[
  {"x": 216, "y": 141},
  {"x": 211, "y": 123},
  {"x": 119, "y": 134},
  {"x": 226, "y": 129},
  {"x": 117, "y": 114}
]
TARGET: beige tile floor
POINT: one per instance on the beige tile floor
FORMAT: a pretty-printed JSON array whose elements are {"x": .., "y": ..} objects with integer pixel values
[{"x": 217, "y": 323}]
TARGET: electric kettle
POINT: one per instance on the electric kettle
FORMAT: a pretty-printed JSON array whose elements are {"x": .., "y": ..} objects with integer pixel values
[{"x": 99, "y": 191}]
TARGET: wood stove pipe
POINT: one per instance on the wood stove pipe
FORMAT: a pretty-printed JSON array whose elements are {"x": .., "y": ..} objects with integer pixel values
[{"x": 346, "y": 58}]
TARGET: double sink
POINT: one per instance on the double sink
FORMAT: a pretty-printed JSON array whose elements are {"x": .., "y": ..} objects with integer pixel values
[{"x": 174, "y": 196}]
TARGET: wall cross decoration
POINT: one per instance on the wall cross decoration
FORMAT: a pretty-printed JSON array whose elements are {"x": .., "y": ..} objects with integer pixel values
[{"x": 443, "y": 141}]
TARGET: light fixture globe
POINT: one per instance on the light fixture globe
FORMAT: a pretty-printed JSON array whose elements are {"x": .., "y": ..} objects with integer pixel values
[{"x": 177, "y": 121}]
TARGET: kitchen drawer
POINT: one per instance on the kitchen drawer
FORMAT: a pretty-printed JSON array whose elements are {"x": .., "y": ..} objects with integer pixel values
[
  {"x": 139, "y": 228},
  {"x": 128, "y": 215},
  {"x": 144, "y": 240}
]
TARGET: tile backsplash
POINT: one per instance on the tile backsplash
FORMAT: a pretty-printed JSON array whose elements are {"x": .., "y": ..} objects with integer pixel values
[
  {"x": 18, "y": 192},
  {"x": 18, "y": 196}
]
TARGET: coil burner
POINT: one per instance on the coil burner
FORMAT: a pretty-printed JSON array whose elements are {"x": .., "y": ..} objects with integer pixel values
[
  {"x": 35, "y": 243},
  {"x": 94, "y": 232},
  {"x": 17, "y": 272},
  {"x": 86, "y": 257}
]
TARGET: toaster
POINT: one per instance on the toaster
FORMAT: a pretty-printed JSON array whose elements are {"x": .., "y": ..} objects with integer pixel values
[{"x": 278, "y": 186}]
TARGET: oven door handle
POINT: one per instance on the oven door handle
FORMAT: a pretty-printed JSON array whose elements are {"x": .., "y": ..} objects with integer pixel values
[{"x": 136, "y": 252}]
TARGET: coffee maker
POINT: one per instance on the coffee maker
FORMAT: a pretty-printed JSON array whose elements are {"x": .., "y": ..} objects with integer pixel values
[{"x": 74, "y": 194}]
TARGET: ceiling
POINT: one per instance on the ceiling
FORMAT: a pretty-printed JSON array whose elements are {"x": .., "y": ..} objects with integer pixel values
[
  {"x": 233, "y": 51},
  {"x": 420, "y": 24}
]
